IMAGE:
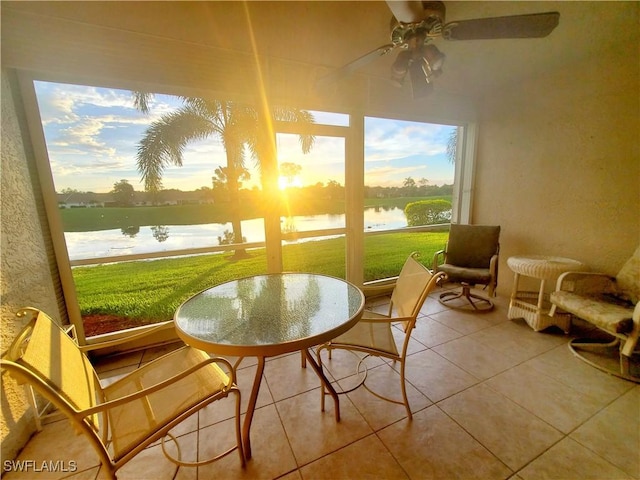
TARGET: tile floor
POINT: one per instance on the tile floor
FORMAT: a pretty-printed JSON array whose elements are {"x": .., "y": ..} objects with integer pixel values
[{"x": 491, "y": 399}]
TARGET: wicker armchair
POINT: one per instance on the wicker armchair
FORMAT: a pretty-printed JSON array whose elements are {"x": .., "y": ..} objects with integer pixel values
[
  {"x": 612, "y": 304},
  {"x": 123, "y": 418}
]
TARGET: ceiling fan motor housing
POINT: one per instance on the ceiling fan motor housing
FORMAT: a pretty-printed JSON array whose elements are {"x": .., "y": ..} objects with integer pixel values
[
  {"x": 427, "y": 26},
  {"x": 434, "y": 9}
]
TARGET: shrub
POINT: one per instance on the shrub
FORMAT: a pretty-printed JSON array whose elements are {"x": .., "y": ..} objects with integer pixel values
[{"x": 427, "y": 212}]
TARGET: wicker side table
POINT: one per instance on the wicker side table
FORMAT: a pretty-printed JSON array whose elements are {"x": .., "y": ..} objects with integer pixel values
[{"x": 534, "y": 306}]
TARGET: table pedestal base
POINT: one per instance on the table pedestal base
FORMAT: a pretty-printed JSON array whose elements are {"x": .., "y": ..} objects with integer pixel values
[{"x": 253, "y": 398}]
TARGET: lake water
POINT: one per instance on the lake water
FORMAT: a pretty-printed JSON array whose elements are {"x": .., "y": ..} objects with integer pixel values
[{"x": 165, "y": 238}]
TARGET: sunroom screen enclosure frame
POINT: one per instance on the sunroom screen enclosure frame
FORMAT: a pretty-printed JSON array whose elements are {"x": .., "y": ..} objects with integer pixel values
[{"x": 354, "y": 135}]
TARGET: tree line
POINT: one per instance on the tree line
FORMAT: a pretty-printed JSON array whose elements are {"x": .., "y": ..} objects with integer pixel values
[{"x": 123, "y": 193}]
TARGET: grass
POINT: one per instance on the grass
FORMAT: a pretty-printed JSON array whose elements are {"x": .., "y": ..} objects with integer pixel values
[{"x": 152, "y": 290}]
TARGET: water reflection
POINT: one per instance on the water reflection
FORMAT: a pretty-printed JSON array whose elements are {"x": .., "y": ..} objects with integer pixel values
[
  {"x": 130, "y": 231},
  {"x": 165, "y": 238},
  {"x": 160, "y": 233},
  {"x": 288, "y": 225},
  {"x": 283, "y": 307},
  {"x": 268, "y": 310},
  {"x": 264, "y": 309}
]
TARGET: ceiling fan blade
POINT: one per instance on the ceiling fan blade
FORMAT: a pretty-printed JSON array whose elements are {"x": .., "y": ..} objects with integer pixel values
[
  {"x": 534, "y": 25},
  {"x": 351, "y": 67},
  {"x": 407, "y": 11}
]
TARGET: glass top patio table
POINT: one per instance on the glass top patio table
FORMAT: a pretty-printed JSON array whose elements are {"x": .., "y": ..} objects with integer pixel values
[{"x": 268, "y": 315}]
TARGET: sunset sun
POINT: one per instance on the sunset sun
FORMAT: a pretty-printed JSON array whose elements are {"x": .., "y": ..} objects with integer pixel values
[{"x": 286, "y": 182}]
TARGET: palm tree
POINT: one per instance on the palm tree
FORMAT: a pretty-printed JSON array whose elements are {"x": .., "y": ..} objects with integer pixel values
[
  {"x": 290, "y": 171},
  {"x": 452, "y": 145},
  {"x": 261, "y": 142},
  {"x": 235, "y": 124},
  {"x": 220, "y": 180}
]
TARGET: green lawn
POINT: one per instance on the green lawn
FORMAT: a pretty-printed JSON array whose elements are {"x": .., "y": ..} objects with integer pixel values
[{"x": 152, "y": 290}]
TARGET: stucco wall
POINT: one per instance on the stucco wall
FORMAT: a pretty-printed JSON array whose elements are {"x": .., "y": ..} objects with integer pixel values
[
  {"x": 558, "y": 164},
  {"x": 25, "y": 279}
]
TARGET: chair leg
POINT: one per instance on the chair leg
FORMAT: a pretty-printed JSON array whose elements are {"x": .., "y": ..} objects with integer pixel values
[
  {"x": 591, "y": 345},
  {"x": 323, "y": 391},
  {"x": 475, "y": 303},
  {"x": 177, "y": 459},
  {"x": 403, "y": 385}
]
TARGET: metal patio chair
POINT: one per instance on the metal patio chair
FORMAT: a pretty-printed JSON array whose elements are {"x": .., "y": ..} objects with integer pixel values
[
  {"x": 373, "y": 335},
  {"x": 121, "y": 419}
]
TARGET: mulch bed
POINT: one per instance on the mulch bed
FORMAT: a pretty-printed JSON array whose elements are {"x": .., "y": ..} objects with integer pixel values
[{"x": 99, "y": 324}]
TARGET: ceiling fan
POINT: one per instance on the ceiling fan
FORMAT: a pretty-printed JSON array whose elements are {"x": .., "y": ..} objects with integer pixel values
[{"x": 416, "y": 23}]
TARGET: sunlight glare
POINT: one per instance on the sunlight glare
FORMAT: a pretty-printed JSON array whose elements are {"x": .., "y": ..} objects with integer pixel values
[{"x": 284, "y": 182}]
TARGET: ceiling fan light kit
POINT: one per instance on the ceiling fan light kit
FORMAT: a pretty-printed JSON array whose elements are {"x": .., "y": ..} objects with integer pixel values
[
  {"x": 415, "y": 24},
  {"x": 424, "y": 62}
]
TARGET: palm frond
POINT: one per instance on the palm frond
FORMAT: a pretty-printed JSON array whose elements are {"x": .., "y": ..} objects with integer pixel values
[
  {"x": 452, "y": 145},
  {"x": 303, "y": 120},
  {"x": 236, "y": 124},
  {"x": 141, "y": 100},
  {"x": 164, "y": 142}
]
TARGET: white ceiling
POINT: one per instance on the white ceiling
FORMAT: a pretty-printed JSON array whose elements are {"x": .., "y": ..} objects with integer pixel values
[
  {"x": 335, "y": 33},
  {"x": 331, "y": 34}
]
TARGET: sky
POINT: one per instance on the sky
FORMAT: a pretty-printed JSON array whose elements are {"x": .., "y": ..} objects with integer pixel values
[{"x": 92, "y": 136}]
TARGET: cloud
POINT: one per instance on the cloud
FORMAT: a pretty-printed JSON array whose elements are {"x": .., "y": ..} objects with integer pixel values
[
  {"x": 93, "y": 133},
  {"x": 387, "y": 140},
  {"x": 387, "y": 176}
]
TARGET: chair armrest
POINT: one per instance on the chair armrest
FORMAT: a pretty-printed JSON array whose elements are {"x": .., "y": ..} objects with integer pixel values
[
  {"x": 493, "y": 269},
  {"x": 493, "y": 265},
  {"x": 438, "y": 259},
  {"x": 586, "y": 283},
  {"x": 158, "y": 386},
  {"x": 630, "y": 345}
]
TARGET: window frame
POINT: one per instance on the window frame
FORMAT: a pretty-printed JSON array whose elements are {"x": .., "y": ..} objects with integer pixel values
[{"x": 354, "y": 135}]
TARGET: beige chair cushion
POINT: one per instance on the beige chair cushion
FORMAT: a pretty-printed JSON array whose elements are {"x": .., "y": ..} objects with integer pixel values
[{"x": 602, "y": 313}]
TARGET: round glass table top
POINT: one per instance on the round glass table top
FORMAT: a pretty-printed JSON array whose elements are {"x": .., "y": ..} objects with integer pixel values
[{"x": 267, "y": 315}]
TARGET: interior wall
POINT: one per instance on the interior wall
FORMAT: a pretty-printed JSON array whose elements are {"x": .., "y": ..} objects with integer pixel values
[
  {"x": 558, "y": 164},
  {"x": 25, "y": 278}
]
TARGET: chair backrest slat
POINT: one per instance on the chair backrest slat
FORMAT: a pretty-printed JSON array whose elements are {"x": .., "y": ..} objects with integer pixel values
[
  {"x": 54, "y": 357},
  {"x": 412, "y": 288}
]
